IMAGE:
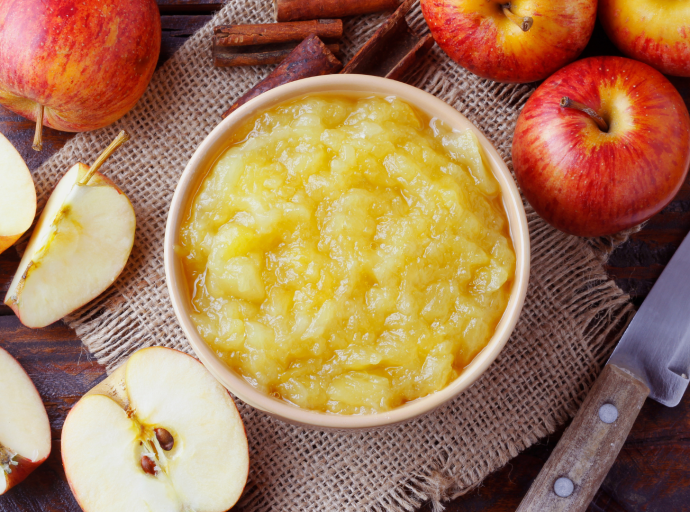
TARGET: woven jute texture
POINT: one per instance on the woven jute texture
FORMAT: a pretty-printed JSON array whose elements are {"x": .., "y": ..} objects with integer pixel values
[{"x": 570, "y": 321}]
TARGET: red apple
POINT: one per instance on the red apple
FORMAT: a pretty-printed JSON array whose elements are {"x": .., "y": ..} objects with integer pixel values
[
  {"x": 589, "y": 180},
  {"x": 519, "y": 41},
  {"x": 80, "y": 65},
  {"x": 654, "y": 31}
]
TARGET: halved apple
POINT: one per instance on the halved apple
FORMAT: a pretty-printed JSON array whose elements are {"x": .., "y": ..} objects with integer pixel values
[
  {"x": 78, "y": 248},
  {"x": 17, "y": 195},
  {"x": 159, "y": 434},
  {"x": 24, "y": 426}
]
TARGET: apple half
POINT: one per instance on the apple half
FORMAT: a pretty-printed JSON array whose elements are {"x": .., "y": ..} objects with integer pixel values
[
  {"x": 79, "y": 246},
  {"x": 24, "y": 427},
  {"x": 159, "y": 434},
  {"x": 17, "y": 195}
]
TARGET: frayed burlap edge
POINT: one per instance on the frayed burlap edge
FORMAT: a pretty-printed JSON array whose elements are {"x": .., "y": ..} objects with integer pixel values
[{"x": 572, "y": 316}]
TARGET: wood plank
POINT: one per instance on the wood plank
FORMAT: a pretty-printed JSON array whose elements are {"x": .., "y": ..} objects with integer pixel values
[
  {"x": 650, "y": 272},
  {"x": 175, "y": 30},
  {"x": 189, "y": 6},
  {"x": 665, "y": 228}
]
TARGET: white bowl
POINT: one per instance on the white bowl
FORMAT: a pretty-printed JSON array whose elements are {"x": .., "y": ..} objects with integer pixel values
[{"x": 214, "y": 145}]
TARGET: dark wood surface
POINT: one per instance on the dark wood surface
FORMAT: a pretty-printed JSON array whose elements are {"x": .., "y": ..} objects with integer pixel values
[{"x": 651, "y": 473}]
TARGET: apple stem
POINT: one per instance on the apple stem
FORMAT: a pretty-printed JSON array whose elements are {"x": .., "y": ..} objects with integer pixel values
[
  {"x": 38, "y": 134},
  {"x": 566, "y": 102},
  {"x": 524, "y": 22},
  {"x": 121, "y": 138}
]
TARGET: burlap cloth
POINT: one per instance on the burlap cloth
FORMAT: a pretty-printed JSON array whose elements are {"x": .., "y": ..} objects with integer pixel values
[{"x": 571, "y": 317}]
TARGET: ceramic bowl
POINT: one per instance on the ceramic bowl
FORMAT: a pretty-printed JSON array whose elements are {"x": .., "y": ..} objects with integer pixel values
[{"x": 213, "y": 146}]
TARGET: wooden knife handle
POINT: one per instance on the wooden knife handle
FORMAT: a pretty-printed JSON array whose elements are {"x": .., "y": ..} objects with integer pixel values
[{"x": 589, "y": 446}]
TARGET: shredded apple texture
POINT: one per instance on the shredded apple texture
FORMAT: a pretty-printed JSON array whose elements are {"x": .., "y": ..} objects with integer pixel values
[{"x": 348, "y": 254}]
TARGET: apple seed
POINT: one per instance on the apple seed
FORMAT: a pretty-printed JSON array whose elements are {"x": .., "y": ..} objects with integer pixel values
[
  {"x": 165, "y": 439},
  {"x": 148, "y": 465}
]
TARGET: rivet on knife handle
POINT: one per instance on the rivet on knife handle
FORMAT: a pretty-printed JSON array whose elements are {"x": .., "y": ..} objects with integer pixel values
[{"x": 579, "y": 463}]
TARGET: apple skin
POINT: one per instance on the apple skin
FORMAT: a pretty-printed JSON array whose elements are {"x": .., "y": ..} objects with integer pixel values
[
  {"x": 478, "y": 36},
  {"x": 7, "y": 241},
  {"x": 587, "y": 182},
  {"x": 23, "y": 469},
  {"x": 656, "y": 32},
  {"x": 87, "y": 62}
]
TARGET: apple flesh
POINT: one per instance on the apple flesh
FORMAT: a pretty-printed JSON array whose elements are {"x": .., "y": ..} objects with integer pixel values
[
  {"x": 519, "y": 41},
  {"x": 79, "y": 246},
  {"x": 160, "y": 434},
  {"x": 656, "y": 32},
  {"x": 24, "y": 427},
  {"x": 17, "y": 195},
  {"x": 592, "y": 182},
  {"x": 84, "y": 63}
]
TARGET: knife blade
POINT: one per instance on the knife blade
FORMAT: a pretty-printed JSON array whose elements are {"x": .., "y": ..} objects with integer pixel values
[
  {"x": 656, "y": 345},
  {"x": 651, "y": 359}
]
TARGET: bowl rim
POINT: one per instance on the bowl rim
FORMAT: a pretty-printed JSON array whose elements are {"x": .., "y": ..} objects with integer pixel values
[{"x": 213, "y": 144}]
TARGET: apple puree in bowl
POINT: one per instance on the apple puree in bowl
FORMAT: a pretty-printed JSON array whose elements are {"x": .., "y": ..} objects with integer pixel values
[{"x": 348, "y": 254}]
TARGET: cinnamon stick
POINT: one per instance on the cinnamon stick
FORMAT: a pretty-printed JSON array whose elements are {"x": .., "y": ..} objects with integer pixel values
[
  {"x": 269, "y": 33},
  {"x": 256, "y": 55},
  {"x": 392, "y": 49},
  {"x": 250, "y": 45},
  {"x": 310, "y": 58},
  {"x": 293, "y": 10}
]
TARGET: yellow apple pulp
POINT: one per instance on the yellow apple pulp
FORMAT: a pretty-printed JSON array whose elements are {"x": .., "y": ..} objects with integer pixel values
[{"x": 348, "y": 254}]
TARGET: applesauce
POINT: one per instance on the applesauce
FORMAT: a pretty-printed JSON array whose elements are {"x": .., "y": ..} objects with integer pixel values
[{"x": 347, "y": 254}]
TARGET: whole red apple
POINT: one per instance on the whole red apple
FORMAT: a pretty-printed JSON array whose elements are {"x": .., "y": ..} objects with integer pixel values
[
  {"x": 519, "y": 41},
  {"x": 654, "y": 31},
  {"x": 613, "y": 166},
  {"x": 80, "y": 65}
]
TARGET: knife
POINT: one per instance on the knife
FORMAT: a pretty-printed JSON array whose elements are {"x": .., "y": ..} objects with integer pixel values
[{"x": 652, "y": 359}]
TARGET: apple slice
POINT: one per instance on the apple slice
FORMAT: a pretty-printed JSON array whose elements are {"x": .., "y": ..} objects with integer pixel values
[
  {"x": 24, "y": 426},
  {"x": 17, "y": 195},
  {"x": 78, "y": 248},
  {"x": 160, "y": 434}
]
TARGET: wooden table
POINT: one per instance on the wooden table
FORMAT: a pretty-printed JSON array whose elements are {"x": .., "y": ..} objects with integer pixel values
[{"x": 651, "y": 474}]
